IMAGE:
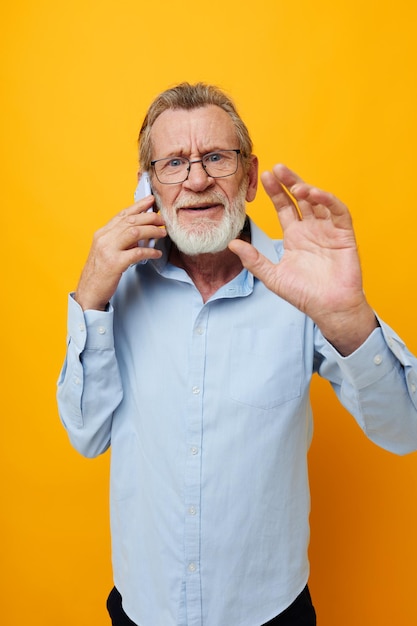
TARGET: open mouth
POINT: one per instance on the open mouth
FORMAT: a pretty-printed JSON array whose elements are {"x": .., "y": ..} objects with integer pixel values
[{"x": 200, "y": 207}]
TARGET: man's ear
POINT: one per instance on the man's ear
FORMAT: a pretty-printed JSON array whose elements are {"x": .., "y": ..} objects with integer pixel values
[{"x": 252, "y": 179}]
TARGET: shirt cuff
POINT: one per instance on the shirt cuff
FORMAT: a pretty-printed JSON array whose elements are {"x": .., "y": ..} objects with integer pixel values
[
  {"x": 382, "y": 351},
  {"x": 90, "y": 330}
]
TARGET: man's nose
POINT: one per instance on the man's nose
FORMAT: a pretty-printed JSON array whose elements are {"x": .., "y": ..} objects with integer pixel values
[{"x": 198, "y": 179}]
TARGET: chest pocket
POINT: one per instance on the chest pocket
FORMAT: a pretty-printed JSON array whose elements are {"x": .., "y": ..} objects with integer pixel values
[{"x": 266, "y": 365}]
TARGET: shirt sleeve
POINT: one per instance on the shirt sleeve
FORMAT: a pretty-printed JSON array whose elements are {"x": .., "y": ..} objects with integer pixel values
[
  {"x": 89, "y": 385},
  {"x": 377, "y": 384}
]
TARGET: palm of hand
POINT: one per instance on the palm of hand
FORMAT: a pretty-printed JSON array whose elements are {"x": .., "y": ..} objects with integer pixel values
[{"x": 319, "y": 271}]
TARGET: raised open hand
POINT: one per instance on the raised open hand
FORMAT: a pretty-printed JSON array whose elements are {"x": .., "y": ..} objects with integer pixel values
[{"x": 319, "y": 272}]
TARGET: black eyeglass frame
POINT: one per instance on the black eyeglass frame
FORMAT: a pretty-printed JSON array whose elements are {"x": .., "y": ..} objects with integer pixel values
[{"x": 190, "y": 163}]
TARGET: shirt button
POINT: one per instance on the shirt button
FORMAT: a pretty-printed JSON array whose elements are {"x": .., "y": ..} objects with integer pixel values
[
  {"x": 199, "y": 330},
  {"x": 194, "y": 450},
  {"x": 377, "y": 359},
  {"x": 196, "y": 391},
  {"x": 192, "y": 567},
  {"x": 82, "y": 327},
  {"x": 77, "y": 380},
  {"x": 192, "y": 510},
  {"x": 413, "y": 387},
  {"x": 101, "y": 330}
]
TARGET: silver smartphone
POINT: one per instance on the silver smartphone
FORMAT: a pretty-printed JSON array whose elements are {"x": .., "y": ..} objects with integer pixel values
[{"x": 143, "y": 189}]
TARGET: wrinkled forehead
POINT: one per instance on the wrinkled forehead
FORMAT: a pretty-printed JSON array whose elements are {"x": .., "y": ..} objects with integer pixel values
[{"x": 192, "y": 132}]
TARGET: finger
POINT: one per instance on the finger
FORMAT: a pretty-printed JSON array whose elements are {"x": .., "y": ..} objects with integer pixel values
[
  {"x": 277, "y": 191},
  {"x": 312, "y": 201},
  {"x": 143, "y": 205},
  {"x": 150, "y": 233},
  {"x": 143, "y": 218},
  {"x": 300, "y": 191},
  {"x": 312, "y": 210},
  {"x": 286, "y": 177},
  {"x": 130, "y": 237},
  {"x": 124, "y": 232},
  {"x": 253, "y": 261},
  {"x": 284, "y": 204},
  {"x": 141, "y": 253},
  {"x": 114, "y": 254},
  {"x": 125, "y": 216},
  {"x": 324, "y": 204},
  {"x": 133, "y": 216}
]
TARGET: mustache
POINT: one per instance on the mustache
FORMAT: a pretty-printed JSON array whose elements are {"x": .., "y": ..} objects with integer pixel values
[{"x": 187, "y": 200}]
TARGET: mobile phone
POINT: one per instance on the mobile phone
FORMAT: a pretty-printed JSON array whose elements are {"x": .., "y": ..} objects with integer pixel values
[{"x": 143, "y": 189}]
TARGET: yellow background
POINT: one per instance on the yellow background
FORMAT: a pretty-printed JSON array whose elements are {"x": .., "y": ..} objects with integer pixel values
[{"x": 328, "y": 88}]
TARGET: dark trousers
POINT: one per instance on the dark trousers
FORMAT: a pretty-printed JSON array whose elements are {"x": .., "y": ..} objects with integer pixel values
[{"x": 300, "y": 613}]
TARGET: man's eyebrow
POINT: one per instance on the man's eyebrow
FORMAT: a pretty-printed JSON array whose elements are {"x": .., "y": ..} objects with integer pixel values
[
  {"x": 183, "y": 153},
  {"x": 175, "y": 152}
]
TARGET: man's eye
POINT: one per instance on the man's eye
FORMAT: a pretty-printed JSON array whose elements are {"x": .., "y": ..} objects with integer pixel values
[
  {"x": 214, "y": 157},
  {"x": 175, "y": 162}
]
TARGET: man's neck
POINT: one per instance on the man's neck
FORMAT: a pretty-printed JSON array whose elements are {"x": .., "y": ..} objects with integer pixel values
[{"x": 208, "y": 272}]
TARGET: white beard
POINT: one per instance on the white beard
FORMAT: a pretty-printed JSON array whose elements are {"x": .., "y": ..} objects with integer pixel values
[{"x": 205, "y": 235}]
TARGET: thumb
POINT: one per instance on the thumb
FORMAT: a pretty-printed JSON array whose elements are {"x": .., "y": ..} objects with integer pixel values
[{"x": 253, "y": 260}]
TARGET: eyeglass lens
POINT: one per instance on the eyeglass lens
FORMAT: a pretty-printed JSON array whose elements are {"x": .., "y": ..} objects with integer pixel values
[{"x": 216, "y": 164}]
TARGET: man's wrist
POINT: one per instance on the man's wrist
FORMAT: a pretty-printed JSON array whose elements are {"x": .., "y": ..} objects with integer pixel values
[
  {"x": 348, "y": 331},
  {"x": 88, "y": 304}
]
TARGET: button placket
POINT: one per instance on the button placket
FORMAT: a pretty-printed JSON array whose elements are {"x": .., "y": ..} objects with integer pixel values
[{"x": 192, "y": 492}]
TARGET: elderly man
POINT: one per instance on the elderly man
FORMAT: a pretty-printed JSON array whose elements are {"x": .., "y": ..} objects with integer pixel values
[{"x": 193, "y": 360}]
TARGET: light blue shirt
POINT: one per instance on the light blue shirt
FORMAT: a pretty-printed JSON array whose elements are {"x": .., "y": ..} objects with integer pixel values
[{"x": 206, "y": 408}]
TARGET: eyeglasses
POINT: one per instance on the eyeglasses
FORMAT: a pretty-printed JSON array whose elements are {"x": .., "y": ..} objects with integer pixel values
[{"x": 176, "y": 169}]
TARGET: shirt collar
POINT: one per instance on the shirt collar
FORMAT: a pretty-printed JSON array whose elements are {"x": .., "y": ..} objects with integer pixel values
[
  {"x": 259, "y": 239},
  {"x": 241, "y": 285}
]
